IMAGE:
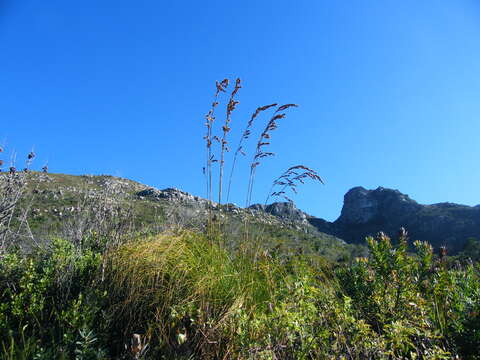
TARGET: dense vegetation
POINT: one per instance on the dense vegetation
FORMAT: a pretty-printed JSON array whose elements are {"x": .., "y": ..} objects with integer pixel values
[{"x": 188, "y": 297}]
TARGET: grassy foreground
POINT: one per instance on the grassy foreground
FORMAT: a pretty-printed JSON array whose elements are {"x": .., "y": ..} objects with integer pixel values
[{"x": 184, "y": 296}]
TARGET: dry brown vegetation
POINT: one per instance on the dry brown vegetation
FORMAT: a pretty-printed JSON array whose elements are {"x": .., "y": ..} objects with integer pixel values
[{"x": 260, "y": 153}]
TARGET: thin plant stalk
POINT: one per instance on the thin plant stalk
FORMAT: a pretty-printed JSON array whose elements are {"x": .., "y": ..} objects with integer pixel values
[
  {"x": 210, "y": 118},
  {"x": 290, "y": 180},
  {"x": 262, "y": 142},
  {"x": 245, "y": 136},
  {"x": 232, "y": 103}
]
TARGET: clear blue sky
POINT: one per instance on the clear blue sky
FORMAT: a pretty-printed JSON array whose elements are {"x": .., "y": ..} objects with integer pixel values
[{"x": 389, "y": 91}]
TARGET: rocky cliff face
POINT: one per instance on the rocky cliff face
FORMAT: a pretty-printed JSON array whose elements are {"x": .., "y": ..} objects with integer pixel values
[
  {"x": 366, "y": 212},
  {"x": 363, "y": 206}
]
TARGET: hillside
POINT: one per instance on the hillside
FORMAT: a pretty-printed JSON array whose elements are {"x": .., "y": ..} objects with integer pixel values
[
  {"x": 72, "y": 206},
  {"x": 54, "y": 199}
]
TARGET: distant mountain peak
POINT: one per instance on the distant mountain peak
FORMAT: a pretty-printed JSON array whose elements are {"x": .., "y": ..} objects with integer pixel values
[
  {"x": 366, "y": 212},
  {"x": 362, "y": 206}
]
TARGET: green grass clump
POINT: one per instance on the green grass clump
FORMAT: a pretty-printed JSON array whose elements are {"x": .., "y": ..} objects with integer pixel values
[{"x": 171, "y": 284}]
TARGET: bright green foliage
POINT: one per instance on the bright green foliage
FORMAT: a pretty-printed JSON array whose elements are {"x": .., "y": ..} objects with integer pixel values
[
  {"x": 46, "y": 299},
  {"x": 192, "y": 297},
  {"x": 420, "y": 306}
]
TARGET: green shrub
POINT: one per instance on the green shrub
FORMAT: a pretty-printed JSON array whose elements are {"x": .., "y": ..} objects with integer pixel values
[
  {"x": 419, "y": 305},
  {"x": 46, "y": 299}
]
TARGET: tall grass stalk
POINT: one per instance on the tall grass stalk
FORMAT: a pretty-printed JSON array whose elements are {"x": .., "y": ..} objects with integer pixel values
[
  {"x": 209, "y": 138},
  {"x": 245, "y": 135},
  {"x": 263, "y": 141},
  {"x": 290, "y": 180},
  {"x": 232, "y": 103}
]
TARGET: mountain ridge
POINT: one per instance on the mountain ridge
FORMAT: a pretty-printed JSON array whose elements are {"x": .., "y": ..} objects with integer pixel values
[{"x": 364, "y": 212}]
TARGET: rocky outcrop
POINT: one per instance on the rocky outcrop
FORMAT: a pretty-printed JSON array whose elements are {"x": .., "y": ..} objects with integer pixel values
[
  {"x": 363, "y": 206},
  {"x": 366, "y": 212},
  {"x": 286, "y": 211},
  {"x": 170, "y": 194}
]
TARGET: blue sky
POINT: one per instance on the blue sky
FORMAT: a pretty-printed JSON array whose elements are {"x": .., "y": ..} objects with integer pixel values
[{"x": 388, "y": 91}]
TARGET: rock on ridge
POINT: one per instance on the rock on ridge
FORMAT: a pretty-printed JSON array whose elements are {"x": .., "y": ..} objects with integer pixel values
[
  {"x": 362, "y": 206},
  {"x": 171, "y": 194},
  {"x": 286, "y": 211}
]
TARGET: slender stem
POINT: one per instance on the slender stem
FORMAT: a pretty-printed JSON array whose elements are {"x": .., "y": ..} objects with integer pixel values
[
  {"x": 245, "y": 135},
  {"x": 226, "y": 129},
  {"x": 231, "y": 174}
]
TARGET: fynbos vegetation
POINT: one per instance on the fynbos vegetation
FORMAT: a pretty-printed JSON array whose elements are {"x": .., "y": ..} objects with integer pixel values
[{"x": 112, "y": 280}]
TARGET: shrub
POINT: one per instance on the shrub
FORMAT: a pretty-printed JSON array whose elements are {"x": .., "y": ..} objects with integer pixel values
[
  {"x": 47, "y": 299},
  {"x": 419, "y": 305}
]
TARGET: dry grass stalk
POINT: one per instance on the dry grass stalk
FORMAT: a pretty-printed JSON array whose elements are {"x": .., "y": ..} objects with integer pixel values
[
  {"x": 12, "y": 187},
  {"x": 232, "y": 103},
  {"x": 290, "y": 179},
  {"x": 264, "y": 141},
  {"x": 291, "y": 176},
  {"x": 245, "y": 135},
  {"x": 210, "y": 118}
]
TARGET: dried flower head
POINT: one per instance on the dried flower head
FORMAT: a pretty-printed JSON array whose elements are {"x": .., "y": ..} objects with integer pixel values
[
  {"x": 286, "y": 106},
  {"x": 442, "y": 251},
  {"x": 382, "y": 236},
  {"x": 402, "y": 233},
  {"x": 290, "y": 179}
]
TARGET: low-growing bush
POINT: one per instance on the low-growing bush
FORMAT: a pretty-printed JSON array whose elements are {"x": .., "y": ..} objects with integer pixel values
[
  {"x": 417, "y": 302},
  {"x": 47, "y": 301}
]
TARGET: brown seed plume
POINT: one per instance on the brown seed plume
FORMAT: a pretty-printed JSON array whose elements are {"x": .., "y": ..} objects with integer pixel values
[{"x": 290, "y": 179}]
